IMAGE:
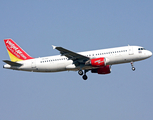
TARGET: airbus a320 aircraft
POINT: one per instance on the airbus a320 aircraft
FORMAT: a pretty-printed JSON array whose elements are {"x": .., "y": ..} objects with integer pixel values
[{"x": 96, "y": 61}]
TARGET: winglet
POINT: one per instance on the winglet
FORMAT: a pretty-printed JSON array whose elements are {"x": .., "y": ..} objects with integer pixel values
[{"x": 53, "y": 46}]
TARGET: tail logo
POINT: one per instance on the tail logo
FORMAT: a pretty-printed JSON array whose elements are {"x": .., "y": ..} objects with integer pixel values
[
  {"x": 15, "y": 50},
  {"x": 99, "y": 61}
]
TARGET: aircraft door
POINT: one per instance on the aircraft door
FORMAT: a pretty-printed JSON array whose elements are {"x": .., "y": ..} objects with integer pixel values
[
  {"x": 33, "y": 64},
  {"x": 130, "y": 50}
]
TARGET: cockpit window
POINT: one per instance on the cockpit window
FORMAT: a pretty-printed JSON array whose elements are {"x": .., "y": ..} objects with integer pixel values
[{"x": 141, "y": 48}]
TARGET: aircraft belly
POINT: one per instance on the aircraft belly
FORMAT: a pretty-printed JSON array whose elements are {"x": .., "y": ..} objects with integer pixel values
[
  {"x": 57, "y": 67},
  {"x": 53, "y": 66},
  {"x": 115, "y": 60}
]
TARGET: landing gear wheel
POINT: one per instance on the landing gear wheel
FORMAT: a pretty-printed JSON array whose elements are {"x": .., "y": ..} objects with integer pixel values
[
  {"x": 85, "y": 77},
  {"x": 133, "y": 68},
  {"x": 80, "y": 72}
]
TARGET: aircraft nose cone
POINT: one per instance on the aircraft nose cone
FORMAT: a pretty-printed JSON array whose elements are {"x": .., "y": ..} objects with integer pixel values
[{"x": 149, "y": 53}]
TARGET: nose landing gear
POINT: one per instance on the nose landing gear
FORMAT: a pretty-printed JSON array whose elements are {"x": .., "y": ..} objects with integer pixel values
[{"x": 133, "y": 68}]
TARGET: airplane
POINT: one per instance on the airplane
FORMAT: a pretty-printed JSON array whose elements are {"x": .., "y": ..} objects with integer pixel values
[{"x": 96, "y": 61}]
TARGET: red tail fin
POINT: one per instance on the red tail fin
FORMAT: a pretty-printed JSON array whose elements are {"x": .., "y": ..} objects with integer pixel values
[{"x": 15, "y": 52}]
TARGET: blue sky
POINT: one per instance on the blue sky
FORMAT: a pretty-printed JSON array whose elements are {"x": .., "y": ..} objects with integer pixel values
[{"x": 78, "y": 26}]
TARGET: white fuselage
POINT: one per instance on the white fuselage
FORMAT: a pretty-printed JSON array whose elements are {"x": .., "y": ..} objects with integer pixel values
[{"x": 58, "y": 63}]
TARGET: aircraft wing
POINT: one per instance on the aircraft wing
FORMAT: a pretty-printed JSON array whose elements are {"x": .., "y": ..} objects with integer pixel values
[{"x": 71, "y": 55}]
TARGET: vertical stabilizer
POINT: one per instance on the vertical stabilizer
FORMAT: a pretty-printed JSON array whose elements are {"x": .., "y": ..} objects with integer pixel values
[{"x": 15, "y": 52}]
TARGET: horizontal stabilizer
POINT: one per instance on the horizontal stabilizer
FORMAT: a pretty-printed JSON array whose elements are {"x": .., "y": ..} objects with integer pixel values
[{"x": 12, "y": 63}]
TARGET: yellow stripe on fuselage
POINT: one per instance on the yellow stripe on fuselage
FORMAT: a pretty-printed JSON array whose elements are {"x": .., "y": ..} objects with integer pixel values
[{"x": 12, "y": 57}]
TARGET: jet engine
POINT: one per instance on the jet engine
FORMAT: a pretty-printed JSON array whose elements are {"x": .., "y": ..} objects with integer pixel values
[
  {"x": 102, "y": 70},
  {"x": 96, "y": 62}
]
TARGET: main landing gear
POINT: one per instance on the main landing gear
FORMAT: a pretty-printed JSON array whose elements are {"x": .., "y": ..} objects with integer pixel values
[
  {"x": 80, "y": 72},
  {"x": 133, "y": 68}
]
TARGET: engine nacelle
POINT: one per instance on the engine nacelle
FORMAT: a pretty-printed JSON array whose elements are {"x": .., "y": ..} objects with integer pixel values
[
  {"x": 102, "y": 70},
  {"x": 97, "y": 62}
]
